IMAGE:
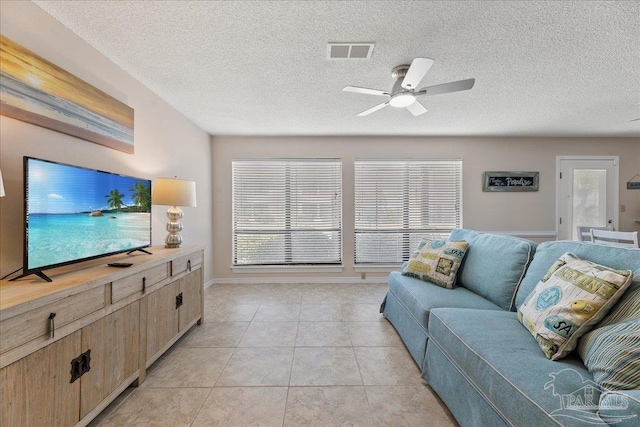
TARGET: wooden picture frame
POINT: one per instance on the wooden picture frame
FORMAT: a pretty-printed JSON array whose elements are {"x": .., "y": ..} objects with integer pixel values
[
  {"x": 36, "y": 91},
  {"x": 511, "y": 181}
]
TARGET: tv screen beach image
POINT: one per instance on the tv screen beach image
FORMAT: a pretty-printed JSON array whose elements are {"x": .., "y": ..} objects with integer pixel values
[{"x": 75, "y": 213}]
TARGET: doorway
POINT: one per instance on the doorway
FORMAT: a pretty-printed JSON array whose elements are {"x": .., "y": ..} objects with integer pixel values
[{"x": 587, "y": 190}]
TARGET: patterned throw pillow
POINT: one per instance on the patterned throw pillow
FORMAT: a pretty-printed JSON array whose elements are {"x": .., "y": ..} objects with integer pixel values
[
  {"x": 612, "y": 351},
  {"x": 572, "y": 297},
  {"x": 436, "y": 261}
]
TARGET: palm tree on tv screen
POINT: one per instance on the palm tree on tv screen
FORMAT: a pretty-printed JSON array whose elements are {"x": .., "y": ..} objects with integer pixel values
[
  {"x": 114, "y": 199},
  {"x": 141, "y": 196}
]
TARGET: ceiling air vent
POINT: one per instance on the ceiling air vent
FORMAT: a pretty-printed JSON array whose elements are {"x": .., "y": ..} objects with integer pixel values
[{"x": 349, "y": 50}]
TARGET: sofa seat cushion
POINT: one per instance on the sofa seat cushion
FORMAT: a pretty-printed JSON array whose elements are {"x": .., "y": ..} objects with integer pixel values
[
  {"x": 494, "y": 265},
  {"x": 548, "y": 252},
  {"x": 420, "y": 297},
  {"x": 621, "y": 408},
  {"x": 500, "y": 360}
]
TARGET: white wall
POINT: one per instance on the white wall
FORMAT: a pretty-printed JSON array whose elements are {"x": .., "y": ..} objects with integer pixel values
[
  {"x": 528, "y": 213},
  {"x": 166, "y": 143}
]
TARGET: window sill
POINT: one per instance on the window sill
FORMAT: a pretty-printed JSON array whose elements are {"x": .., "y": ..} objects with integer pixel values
[
  {"x": 376, "y": 268},
  {"x": 287, "y": 269}
]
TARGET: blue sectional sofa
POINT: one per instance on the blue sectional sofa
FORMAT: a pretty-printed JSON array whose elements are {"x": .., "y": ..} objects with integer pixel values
[{"x": 482, "y": 362}]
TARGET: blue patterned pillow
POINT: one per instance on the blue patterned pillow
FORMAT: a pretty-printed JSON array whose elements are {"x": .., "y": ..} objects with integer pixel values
[
  {"x": 569, "y": 300},
  {"x": 436, "y": 261},
  {"x": 611, "y": 352}
]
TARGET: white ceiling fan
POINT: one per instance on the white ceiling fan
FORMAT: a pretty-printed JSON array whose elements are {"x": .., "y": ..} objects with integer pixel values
[{"x": 404, "y": 91}]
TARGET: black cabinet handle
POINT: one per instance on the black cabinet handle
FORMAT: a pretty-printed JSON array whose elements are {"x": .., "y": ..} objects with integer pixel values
[
  {"x": 85, "y": 362},
  {"x": 178, "y": 300},
  {"x": 75, "y": 370},
  {"x": 52, "y": 325},
  {"x": 144, "y": 285},
  {"x": 189, "y": 265},
  {"x": 80, "y": 365}
]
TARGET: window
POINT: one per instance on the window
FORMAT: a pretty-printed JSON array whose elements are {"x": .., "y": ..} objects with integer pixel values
[
  {"x": 399, "y": 201},
  {"x": 287, "y": 212}
]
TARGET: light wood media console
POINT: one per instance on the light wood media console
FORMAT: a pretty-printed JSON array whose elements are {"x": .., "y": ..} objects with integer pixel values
[{"x": 70, "y": 347}]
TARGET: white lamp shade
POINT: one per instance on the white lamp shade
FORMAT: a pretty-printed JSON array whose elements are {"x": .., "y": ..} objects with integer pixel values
[
  {"x": 1, "y": 186},
  {"x": 173, "y": 192}
]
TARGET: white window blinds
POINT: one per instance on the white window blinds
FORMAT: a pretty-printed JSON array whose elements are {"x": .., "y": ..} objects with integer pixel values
[
  {"x": 399, "y": 201},
  {"x": 287, "y": 212}
]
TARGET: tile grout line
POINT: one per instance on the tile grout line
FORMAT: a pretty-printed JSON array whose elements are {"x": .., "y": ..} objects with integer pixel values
[
  {"x": 346, "y": 325},
  {"x": 202, "y": 406}
]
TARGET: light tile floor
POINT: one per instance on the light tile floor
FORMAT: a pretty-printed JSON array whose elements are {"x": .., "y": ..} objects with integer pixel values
[{"x": 284, "y": 355}]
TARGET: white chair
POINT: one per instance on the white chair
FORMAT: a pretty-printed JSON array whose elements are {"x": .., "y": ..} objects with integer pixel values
[
  {"x": 625, "y": 239},
  {"x": 584, "y": 232}
]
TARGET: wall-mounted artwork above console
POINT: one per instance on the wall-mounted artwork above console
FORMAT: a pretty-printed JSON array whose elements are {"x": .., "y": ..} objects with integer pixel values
[{"x": 36, "y": 91}]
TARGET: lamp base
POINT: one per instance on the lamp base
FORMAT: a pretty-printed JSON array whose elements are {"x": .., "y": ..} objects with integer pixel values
[
  {"x": 174, "y": 227},
  {"x": 172, "y": 243}
]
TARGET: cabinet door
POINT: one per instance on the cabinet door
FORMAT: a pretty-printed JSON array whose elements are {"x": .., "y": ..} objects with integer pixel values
[
  {"x": 191, "y": 290},
  {"x": 113, "y": 341},
  {"x": 162, "y": 318},
  {"x": 36, "y": 390}
]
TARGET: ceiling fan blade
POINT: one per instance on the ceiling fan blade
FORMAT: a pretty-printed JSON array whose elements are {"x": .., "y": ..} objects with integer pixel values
[
  {"x": 416, "y": 108},
  {"x": 415, "y": 73},
  {"x": 447, "y": 87},
  {"x": 373, "y": 109},
  {"x": 365, "y": 90}
]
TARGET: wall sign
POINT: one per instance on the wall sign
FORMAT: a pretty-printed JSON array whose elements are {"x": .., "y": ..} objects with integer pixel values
[
  {"x": 634, "y": 185},
  {"x": 510, "y": 181}
]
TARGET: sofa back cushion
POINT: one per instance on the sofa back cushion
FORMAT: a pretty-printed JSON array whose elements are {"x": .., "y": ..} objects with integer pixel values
[
  {"x": 494, "y": 265},
  {"x": 548, "y": 252}
]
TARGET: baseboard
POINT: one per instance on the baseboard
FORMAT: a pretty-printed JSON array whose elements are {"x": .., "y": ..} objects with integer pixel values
[{"x": 294, "y": 280}]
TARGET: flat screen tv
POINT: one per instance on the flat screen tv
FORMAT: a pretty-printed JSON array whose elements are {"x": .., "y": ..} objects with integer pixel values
[{"x": 75, "y": 214}]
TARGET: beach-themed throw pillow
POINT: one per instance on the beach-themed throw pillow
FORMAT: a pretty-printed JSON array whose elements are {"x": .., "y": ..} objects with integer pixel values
[
  {"x": 573, "y": 296},
  {"x": 436, "y": 261}
]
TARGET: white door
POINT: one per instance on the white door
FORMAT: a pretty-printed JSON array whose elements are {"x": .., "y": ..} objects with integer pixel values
[{"x": 587, "y": 193}]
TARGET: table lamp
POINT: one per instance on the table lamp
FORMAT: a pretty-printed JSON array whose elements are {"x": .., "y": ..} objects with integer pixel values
[{"x": 173, "y": 192}]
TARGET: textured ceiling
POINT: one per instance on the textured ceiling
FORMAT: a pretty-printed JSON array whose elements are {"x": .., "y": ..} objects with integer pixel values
[{"x": 542, "y": 68}]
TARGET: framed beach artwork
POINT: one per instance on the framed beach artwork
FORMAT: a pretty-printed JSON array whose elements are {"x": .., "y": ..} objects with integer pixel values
[{"x": 36, "y": 91}]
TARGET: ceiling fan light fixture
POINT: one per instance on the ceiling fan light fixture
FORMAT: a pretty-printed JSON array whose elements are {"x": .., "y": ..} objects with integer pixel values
[
  {"x": 404, "y": 94},
  {"x": 402, "y": 100}
]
